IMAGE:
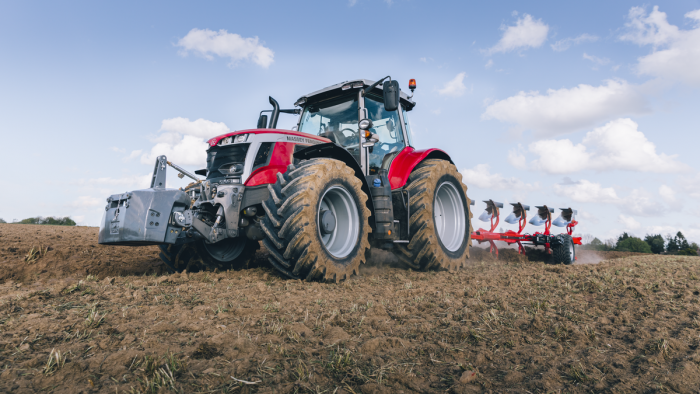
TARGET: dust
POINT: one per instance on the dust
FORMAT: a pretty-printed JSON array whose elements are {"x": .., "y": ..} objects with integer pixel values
[
  {"x": 589, "y": 257},
  {"x": 626, "y": 324}
]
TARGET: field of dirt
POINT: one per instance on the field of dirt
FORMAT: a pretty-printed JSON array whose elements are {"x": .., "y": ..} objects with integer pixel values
[{"x": 79, "y": 317}]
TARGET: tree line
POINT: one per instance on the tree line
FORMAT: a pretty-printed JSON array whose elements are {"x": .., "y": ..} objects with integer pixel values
[
  {"x": 52, "y": 220},
  {"x": 652, "y": 243}
]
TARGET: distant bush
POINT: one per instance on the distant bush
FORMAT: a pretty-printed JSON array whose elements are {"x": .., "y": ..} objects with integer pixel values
[
  {"x": 2, "y": 221},
  {"x": 688, "y": 252},
  {"x": 597, "y": 244},
  {"x": 56, "y": 221},
  {"x": 633, "y": 244}
]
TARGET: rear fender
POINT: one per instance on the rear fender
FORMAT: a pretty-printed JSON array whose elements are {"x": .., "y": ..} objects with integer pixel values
[
  {"x": 404, "y": 163},
  {"x": 333, "y": 151}
]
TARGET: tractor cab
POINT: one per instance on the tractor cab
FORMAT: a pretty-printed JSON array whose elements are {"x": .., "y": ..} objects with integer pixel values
[{"x": 337, "y": 113}]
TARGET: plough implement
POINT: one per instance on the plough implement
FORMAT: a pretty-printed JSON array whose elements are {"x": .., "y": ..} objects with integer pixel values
[{"x": 560, "y": 246}]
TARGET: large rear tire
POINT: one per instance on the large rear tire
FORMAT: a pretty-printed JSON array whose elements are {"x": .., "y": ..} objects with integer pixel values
[
  {"x": 440, "y": 222},
  {"x": 564, "y": 252},
  {"x": 316, "y": 221},
  {"x": 231, "y": 253}
]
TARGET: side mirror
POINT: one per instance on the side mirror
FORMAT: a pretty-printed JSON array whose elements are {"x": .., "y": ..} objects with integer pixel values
[
  {"x": 391, "y": 95},
  {"x": 262, "y": 122}
]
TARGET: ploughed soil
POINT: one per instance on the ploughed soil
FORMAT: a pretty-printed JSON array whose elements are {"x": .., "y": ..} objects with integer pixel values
[{"x": 79, "y": 317}]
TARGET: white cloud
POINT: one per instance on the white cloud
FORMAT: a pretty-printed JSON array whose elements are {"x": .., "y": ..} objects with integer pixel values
[
  {"x": 201, "y": 128},
  {"x": 586, "y": 191},
  {"x": 559, "y": 156},
  {"x": 481, "y": 177},
  {"x": 588, "y": 217},
  {"x": 618, "y": 145},
  {"x": 676, "y": 53},
  {"x": 601, "y": 61},
  {"x": 691, "y": 185},
  {"x": 436, "y": 111},
  {"x": 224, "y": 44},
  {"x": 566, "y": 43},
  {"x": 184, "y": 141},
  {"x": 567, "y": 110},
  {"x": 516, "y": 158},
  {"x": 629, "y": 222},
  {"x": 126, "y": 182},
  {"x": 454, "y": 87},
  {"x": 653, "y": 29},
  {"x": 86, "y": 202},
  {"x": 134, "y": 154},
  {"x": 638, "y": 202},
  {"x": 488, "y": 64},
  {"x": 527, "y": 33},
  {"x": 667, "y": 194},
  {"x": 352, "y": 3}
]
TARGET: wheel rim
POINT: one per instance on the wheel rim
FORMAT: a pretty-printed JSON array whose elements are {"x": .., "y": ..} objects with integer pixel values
[
  {"x": 571, "y": 252},
  {"x": 226, "y": 250},
  {"x": 341, "y": 240},
  {"x": 449, "y": 216}
]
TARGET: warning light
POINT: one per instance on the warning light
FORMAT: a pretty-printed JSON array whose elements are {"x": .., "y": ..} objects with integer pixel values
[
  {"x": 368, "y": 133},
  {"x": 412, "y": 84}
]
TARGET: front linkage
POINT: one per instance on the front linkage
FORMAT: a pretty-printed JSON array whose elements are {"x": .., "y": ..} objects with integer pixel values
[{"x": 203, "y": 214}]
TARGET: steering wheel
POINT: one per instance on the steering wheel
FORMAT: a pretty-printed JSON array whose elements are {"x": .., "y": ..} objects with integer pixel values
[{"x": 341, "y": 137}]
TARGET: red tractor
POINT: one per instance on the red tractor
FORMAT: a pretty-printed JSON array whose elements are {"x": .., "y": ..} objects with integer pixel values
[{"x": 318, "y": 198}]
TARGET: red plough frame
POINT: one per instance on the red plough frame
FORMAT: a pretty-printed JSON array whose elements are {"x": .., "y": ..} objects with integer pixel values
[{"x": 519, "y": 215}]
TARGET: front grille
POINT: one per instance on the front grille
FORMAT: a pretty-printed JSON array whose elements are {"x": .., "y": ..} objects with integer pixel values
[{"x": 220, "y": 155}]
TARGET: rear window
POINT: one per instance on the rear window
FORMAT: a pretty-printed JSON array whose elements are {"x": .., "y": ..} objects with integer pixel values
[{"x": 220, "y": 155}]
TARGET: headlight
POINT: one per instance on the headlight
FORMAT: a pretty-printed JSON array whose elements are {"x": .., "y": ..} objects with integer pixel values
[
  {"x": 242, "y": 138},
  {"x": 231, "y": 168},
  {"x": 365, "y": 124}
]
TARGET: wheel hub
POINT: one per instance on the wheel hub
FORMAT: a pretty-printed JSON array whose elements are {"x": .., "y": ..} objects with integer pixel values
[{"x": 328, "y": 222}]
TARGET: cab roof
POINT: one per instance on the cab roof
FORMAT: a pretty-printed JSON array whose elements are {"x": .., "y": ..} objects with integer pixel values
[{"x": 353, "y": 84}]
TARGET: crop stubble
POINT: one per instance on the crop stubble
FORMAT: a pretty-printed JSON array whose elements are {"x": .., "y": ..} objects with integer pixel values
[{"x": 87, "y": 318}]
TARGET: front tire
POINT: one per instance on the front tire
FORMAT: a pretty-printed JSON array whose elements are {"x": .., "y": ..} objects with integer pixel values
[
  {"x": 440, "y": 222},
  {"x": 316, "y": 221},
  {"x": 231, "y": 253}
]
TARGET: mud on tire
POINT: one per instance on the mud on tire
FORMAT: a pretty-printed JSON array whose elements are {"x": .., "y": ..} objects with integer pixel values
[
  {"x": 196, "y": 256},
  {"x": 294, "y": 238},
  {"x": 564, "y": 252},
  {"x": 426, "y": 249}
]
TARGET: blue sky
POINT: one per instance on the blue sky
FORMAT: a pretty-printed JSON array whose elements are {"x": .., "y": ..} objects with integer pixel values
[{"x": 590, "y": 105}]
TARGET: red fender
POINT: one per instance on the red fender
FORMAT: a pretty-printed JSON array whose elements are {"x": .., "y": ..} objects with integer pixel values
[
  {"x": 407, "y": 160},
  {"x": 280, "y": 158}
]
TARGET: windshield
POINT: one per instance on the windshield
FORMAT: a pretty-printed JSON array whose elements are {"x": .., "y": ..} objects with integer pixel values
[
  {"x": 387, "y": 128},
  {"x": 409, "y": 133},
  {"x": 335, "y": 119}
]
